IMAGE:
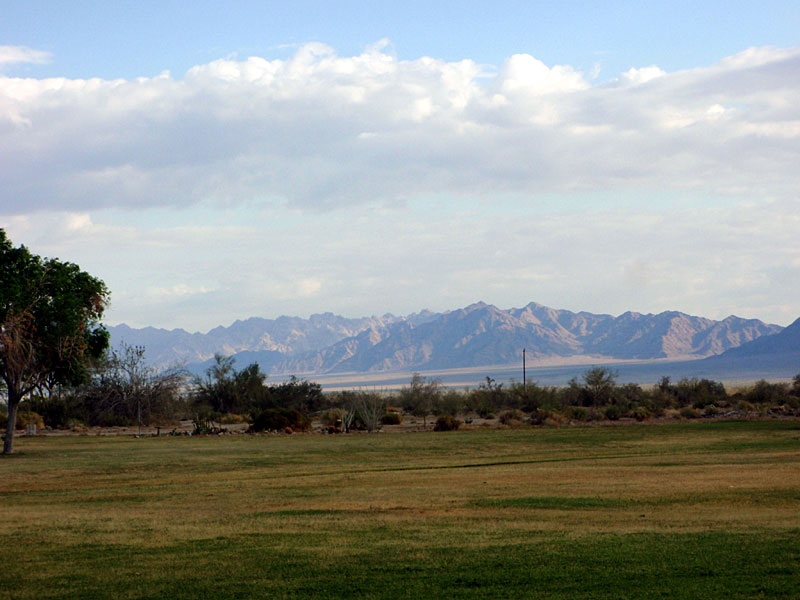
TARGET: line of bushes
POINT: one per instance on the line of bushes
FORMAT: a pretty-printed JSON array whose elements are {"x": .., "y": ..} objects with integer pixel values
[
  {"x": 125, "y": 392},
  {"x": 597, "y": 396}
]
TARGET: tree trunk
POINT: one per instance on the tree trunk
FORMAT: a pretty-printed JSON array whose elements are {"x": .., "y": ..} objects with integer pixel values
[{"x": 13, "y": 404}]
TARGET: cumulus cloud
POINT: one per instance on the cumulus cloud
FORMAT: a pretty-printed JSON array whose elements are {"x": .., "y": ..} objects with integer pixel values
[{"x": 322, "y": 131}]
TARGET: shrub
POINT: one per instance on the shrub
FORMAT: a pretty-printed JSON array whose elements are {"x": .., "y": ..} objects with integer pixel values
[
  {"x": 538, "y": 416},
  {"x": 576, "y": 413},
  {"x": 764, "y": 392},
  {"x": 554, "y": 420},
  {"x": 512, "y": 417},
  {"x": 640, "y": 413},
  {"x": 297, "y": 394},
  {"x": 391, "y": 418},
  {"x": 711, "y": 411},
  {"x": 333, "y": 417},
  {"x": 484, "y": 412},
  {"x": 452, "y": 402},
  {"x": 205, "y": 421},
  {"x": 745, "y": 406},
  {"x": 76, "y": 425},
  {"x": 421, "y": 397},
  {"x": 699, "y": 392},
  {"x": 25, "y": 418},
  {"x": 531, "y": 396},
  {"x": 55, "y": 411},
  {"x": 599, "y": 385},
  {"x": 446, "y": 423},
  {"x": 231, "y": 419},
  {"x": 612, "y": 413},
  {"x": 687, "y": 412},
  {"x": 487, "y": 399},
  {"x": 278, "y": 419}
]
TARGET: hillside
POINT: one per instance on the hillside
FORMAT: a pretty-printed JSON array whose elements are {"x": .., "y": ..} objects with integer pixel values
[{"x": 769, "y": 354}]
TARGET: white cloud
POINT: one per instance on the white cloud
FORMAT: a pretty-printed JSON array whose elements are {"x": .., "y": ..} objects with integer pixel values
[
  {"x": 705, "y": 260},
  {"x": 365, "y": 184},
  {"x": 321, "y": 131},
  {"x": 10, "y": 55},
  {"x": 637, "y": 76}
]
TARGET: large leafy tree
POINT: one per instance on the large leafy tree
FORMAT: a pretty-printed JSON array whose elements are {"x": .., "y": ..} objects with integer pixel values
[{"x": 49, "y": 324}]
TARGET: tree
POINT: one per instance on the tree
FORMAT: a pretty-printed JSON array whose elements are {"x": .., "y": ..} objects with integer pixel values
[
  {"x": 49, "y": 324},
  {"x": 599, "y": 383},
  {"x": 420, "y": 396},
  {"x": 125, "y": 389},
  {"x": 371, "y": 407},
  {"x": 796, "y": 385},
  {"x": 298, "y": 394},
  {"x": 227, "y": 390}
]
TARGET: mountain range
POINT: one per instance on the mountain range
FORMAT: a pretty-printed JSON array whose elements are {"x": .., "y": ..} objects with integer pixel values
[{"x": 476, "y": 335}]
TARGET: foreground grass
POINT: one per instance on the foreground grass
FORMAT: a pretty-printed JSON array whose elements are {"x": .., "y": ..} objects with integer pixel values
[{"x": 683, "y": 511}]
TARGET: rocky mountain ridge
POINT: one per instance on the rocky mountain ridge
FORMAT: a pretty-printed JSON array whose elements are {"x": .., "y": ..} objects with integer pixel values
[{"x": 479, "y": 334}]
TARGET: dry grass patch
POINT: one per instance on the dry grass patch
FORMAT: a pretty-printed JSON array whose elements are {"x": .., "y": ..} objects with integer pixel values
[{"x": 286, "y": 516}]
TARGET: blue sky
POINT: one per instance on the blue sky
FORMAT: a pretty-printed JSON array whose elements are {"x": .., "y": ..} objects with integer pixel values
[
  {"x": 218, "y": 161},
  {"x": 133, "y": 39}
]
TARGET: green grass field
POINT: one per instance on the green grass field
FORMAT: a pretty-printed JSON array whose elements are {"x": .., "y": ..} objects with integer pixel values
[{"x": 706, "y": 510}]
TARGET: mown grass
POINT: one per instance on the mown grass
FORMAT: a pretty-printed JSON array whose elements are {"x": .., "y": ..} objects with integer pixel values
[{"x": 683, "y": 511}]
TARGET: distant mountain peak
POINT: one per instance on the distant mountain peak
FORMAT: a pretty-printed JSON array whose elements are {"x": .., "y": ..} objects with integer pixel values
[{"x": 477, "y": 334}]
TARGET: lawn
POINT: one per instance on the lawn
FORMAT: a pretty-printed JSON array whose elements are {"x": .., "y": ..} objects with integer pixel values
[{"x": 702, "y": 510}]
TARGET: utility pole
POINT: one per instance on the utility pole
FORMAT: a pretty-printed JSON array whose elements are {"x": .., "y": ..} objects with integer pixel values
[{"x": 524, "y": 375}]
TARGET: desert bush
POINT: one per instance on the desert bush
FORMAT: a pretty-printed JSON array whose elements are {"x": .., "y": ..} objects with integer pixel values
[
  {"x": 56, "y": 411},
  {"x": 421, "y": 397},
  {"x": 512, "y": 417},
  {"x": 27, "y": 417},
  {"x": 369, "y": 408},
  {"x": 452, "y": 402},
  {"x": 391, "y": 418},
  {"x": 446, "y": 423},
  {"x": 538, "y": 416},
  {"x": 278, "y": 419},
  {"x": 764, "y": 392},
  {"x": 699, "y": 392},
  {"x": 531, "y": 396},
  {"x": 687, "y": 412},
  {"x": 333, "y": 417},
  {"x": 543, "y": 416},
  {"x": 76, "y": 425},
  {"x": 640, "y": 413},
  {"x": 660, "y": 400},
  {"x": 599, "y": 386},
  {"x": 205, "y": 420},
  {"x": 745, "y": 406},
  {"x": 125, "y": 390},
  {"x": 231, "y": 419},
  {"x": 484, "y": 412},
  {"x": 712, "y": 410},
  {"x": 297, "y": 394},
  {"x": 612, "y": 413},
  {"x": 487, "y": 399},
  {"x": 576, "y": 413},
  {"x": 555, "y": 419},
  {"x": 224, "y": 389},
  {"x": 630, "y": 395}
]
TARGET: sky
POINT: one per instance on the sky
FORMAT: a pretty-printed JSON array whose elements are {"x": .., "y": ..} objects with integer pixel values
[{"x": 217, "y": 161}]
